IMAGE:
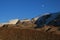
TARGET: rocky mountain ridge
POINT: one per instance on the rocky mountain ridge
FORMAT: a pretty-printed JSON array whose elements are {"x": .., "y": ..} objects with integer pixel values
[{"x": 45, "y": 21}]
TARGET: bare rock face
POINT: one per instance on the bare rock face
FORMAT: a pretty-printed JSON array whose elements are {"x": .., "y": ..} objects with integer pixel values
[{"x": 26, "y": 24}]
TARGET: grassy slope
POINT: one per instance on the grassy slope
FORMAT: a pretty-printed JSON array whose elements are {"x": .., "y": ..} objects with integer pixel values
[{"x": 26, "y": 34}]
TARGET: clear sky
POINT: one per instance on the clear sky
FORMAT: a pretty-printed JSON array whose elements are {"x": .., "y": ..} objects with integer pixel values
[{"x": 12, "y": 9}]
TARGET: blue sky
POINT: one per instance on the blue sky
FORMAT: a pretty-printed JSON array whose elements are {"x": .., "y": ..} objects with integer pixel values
[{"x": 12, "y": 9}]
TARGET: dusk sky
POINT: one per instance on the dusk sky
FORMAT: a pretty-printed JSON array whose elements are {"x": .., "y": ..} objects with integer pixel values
[{"x": 12, "y": 9}]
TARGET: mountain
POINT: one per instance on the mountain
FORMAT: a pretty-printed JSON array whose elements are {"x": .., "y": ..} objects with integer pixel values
[
  {"x": 48, "y": 19},
  {"x": 43, "y": 27}
]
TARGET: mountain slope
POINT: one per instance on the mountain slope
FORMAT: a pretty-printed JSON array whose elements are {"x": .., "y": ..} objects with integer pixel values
[{"x": 49, "y": 19}]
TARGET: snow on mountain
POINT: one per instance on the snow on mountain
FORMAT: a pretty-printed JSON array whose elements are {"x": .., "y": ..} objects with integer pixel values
[{"x": 13, "y": 21}]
